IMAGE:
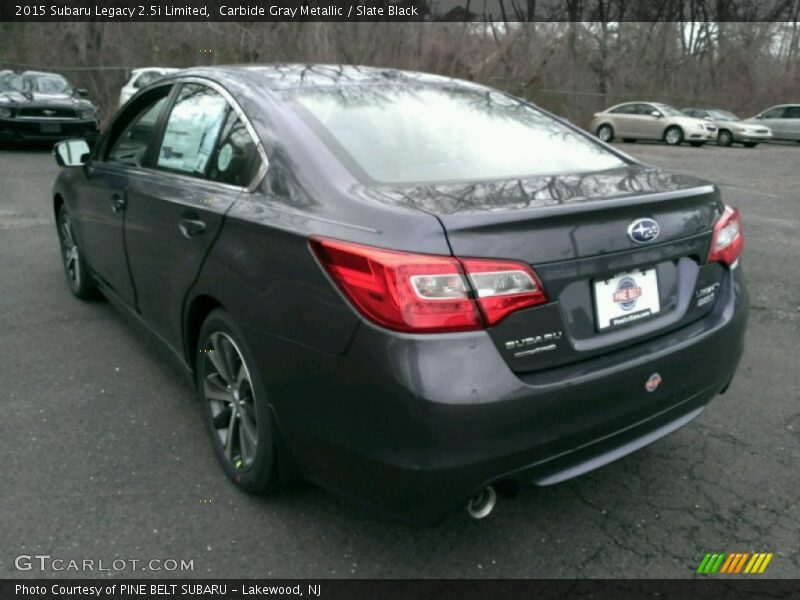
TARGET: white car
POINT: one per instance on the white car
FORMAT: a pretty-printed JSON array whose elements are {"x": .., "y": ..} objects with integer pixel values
[{"x": 140, "y": 78}]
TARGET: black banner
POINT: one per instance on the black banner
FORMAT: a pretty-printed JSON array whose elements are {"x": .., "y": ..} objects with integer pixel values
[
  {"x": 397, "y": 10},
  {"x": 620, "y": 589}
]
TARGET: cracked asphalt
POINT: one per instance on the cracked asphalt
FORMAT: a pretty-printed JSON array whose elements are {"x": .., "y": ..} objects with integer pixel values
[{"x": 104, "y": 456}]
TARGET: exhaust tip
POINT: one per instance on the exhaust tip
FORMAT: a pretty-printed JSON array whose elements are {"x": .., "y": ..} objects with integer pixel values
[{"x": 482, "y": 504}]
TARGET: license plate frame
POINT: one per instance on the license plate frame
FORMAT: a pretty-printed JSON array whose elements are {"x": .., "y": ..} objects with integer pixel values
[{"x": 626, "y": 298}]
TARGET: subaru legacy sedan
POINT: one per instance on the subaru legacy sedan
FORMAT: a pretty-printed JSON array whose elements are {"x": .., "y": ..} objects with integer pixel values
[{"x": 417, "y": 292}]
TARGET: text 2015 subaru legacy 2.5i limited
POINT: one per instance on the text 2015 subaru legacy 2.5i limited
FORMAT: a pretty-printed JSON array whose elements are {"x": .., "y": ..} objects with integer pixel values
[{"x": 415, "y": 291}]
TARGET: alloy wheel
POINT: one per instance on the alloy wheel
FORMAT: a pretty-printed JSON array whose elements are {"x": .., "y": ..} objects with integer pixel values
[
  {"x": 228, "y": 389},
  {"x": 69, "y": 252},
  {"x": 673, "y": 136}
]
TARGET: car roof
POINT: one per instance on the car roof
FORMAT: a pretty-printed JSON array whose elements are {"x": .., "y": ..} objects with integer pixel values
[
  {"x": 161, "y": 69},
  {"x": 39, "y": 73},
  {"x": 293, "y": 76}
]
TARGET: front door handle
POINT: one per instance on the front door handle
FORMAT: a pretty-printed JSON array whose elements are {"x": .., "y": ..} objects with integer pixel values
[
  {"x": 191, "y": 227},
  {"x": 118, "y": 202}
]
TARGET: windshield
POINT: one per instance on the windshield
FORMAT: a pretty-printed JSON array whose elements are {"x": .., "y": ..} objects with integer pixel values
[
  {"x": 669, "y": 111},
  {"x": 407, "y": 134},
  {"x": 49, "y": 84},
  {"x": 723, "y": 115},
  {"x": 11, "y": 82}
]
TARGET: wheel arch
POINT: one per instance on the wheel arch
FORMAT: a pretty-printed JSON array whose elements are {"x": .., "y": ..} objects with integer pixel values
[{"x": 194, "y": 315}]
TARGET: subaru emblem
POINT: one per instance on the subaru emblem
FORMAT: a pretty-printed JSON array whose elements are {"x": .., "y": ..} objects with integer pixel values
[{"x": 643, "y": 231}]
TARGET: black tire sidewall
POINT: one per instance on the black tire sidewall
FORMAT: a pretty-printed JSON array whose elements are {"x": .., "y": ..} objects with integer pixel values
[{"x": 262, "y": 476}]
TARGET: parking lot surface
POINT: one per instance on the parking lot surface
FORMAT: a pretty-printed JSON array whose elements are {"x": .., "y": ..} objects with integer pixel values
[{"x": 103, "y": 454}]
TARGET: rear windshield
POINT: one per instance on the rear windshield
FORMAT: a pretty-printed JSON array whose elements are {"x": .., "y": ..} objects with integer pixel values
[{"x": 416, "y": 134}]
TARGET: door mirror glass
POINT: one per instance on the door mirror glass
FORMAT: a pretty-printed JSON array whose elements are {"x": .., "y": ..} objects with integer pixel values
[
  {"x": 656, "y": 114},
  {"x": 71, "y": 153}
]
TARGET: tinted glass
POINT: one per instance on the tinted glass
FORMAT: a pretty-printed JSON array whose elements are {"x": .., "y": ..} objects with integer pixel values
[
  {"x": 774, "y": 113},
  {"x": 792, "y": 112},
  {"x": 192, "y": 130},
  {"x": 625, "y": 109},
  {"x": 235, "y": 160},
  {"x": 131, "y": 146},
  {"x": 723, "y": 115},
  {"x": 394, "y": 134}
]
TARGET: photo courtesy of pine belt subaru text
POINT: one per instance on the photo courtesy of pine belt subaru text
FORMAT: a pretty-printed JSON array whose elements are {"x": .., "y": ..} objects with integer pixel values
[{"x": 417, "y": 292}]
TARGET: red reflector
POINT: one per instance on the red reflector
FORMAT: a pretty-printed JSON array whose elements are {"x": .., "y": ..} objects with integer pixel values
[
  {"x": 426, "y": 293},
  {"x": 728, "y": 241}
]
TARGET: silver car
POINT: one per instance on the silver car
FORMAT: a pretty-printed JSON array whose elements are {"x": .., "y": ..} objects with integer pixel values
[
  {"x": 731, "y": 129},
  {"x": 633, "y": 121},
  {"x": 783, "y": 120}
]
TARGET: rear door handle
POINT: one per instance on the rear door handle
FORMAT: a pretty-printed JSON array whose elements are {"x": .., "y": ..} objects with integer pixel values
[
  {"x": 191, "y": 227},
  {"x": 118, "y": 202}
]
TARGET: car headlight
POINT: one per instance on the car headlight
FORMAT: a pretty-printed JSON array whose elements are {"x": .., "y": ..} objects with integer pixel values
[
  {"x": 5, "y": 113},
  {"x": 87, "y": 114}
]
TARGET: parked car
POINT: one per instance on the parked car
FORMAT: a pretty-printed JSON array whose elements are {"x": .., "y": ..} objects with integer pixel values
[
  {"x": 413, "y": 290},
  {"x": 783, "y": 121},
  {"x": 634, "y": 121},
  {"x": 44, "y": 106},
  {"x": 731, "y": 128},
  {"x": 141, "y": 78}
]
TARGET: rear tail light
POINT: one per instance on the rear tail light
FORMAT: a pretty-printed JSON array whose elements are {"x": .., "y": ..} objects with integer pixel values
[
  {"x": 727, "y": 242},
  {"x": 425, "y": 293}
]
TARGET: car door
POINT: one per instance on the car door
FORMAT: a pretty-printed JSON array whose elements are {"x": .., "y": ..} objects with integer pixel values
[
  {"x": 100, "y": 203},
  {"x": 623, "y": 120},
  {"x": 774, "y": 119},
  {"x": 648, "y": 127},
  {"x": 205, "y": 158},
  {"x": 792, "y": 122}
]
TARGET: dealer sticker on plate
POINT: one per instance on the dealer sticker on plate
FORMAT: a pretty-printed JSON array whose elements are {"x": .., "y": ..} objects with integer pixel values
[{"x": 626, "y": 298}]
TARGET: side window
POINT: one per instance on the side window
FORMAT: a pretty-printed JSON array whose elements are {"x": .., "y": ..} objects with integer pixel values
[
  {"x": 774, "y": 113},
  {"x": 235, "y": 160},
  {"x": 645, "y": 109},
  {"x": 625, "y": 109},
  {"x": 193, "y": 128},
  {"x": 130, "y": 146},
  {"x": 792, "y": 112}
]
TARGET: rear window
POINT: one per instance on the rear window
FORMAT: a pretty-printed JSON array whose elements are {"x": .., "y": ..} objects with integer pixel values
[{"x": 417, "y": 134}]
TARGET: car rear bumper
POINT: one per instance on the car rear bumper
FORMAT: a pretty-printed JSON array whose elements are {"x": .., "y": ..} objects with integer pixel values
[
  {"x": 47, "y": 130},
  {"x": 415, "y": 425}
]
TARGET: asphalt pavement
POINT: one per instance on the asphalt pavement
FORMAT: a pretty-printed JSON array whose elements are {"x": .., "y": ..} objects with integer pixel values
[{"x": 104, "y": 457}]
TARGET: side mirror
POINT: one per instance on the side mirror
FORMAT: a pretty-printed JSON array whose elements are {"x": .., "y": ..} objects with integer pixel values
[
  {"x": 656, "y": 114},
  {"x": 82, "y": 92},
  {"x": 71, "y": 153}
]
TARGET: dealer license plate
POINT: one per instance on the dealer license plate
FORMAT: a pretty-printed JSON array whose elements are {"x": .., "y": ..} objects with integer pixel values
[{"x": 626, "y": 298}]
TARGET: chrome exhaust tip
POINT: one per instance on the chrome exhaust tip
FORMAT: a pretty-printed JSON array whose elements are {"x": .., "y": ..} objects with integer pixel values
[{"x": 482, "y": 504}]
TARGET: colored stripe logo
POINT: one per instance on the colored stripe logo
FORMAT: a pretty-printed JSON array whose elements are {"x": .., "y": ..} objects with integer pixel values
[{"x": 733, "y": 563}]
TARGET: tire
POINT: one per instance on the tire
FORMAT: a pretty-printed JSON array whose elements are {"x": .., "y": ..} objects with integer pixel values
[
  {"x": 606, "y": 133},
  {"x": 750, "y": 144},
  {"x": 629, "y": 140},
  {"x": 673, "y": 135},
  {"x": 697, "y": 144},
  {"x": 79, "y": 277},
  {"x": 725, "y": 138},
  {"x": 235, "y": 406}
]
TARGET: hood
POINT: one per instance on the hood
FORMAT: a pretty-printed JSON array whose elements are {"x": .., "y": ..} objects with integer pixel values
[{"x": 532, "y": 193}]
